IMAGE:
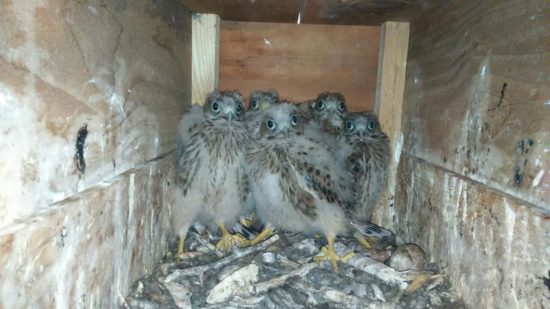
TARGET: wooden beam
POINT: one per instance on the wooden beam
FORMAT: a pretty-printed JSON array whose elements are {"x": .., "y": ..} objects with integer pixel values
[
  {"x": 205, "y": 55},
  {"x": 392, "y": 65}
]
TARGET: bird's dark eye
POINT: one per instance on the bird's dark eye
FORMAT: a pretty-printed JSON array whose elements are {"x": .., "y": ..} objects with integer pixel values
[
  {"x": 342, "y": 106},
  {"x": 294, "y": 120},
  {"x": 349, "y": 125},
  {"x": 239, "y": 110},
  {"x": 271, "y": 125},
  {"x": 215, "y": 107},
  {"x": 254, "y": 104},
  {"x": 320, "y": 105},
  {"x": 371, "y": 125}
]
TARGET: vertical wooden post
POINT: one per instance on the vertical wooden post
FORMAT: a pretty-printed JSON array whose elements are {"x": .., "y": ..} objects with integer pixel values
[
  {"x": 205, "y": 56},
  {"x": 392, "y": 65}
]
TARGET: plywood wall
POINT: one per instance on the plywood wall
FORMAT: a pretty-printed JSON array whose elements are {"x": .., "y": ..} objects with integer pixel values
[
  {"x": 474, "y": 177},
  {"x": 90, "y": 96},
  {"x": 301, "y": 61}
]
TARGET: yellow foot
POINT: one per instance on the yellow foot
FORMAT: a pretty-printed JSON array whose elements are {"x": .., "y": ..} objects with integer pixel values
[
  {"x": 181, "y": 248},
  {"x": 265, "y": 234},
  {"x": 330, "y": 255},
  {"x": 229, "y": 240}
]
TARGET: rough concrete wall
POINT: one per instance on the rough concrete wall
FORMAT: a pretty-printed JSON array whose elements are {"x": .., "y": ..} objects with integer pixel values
[
  {"x": 120, "y": 69},
  {"x": 474, "y": 177}
]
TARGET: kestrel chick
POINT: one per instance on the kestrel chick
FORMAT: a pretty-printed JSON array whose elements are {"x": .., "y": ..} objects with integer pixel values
[
  {"x": 262, "y": 100},
  {"x": 210, "y": 166},
  {"x": 259, "y": 102},
  {"x": 306, "y": 109},
  {"x": 366, "y": 154},
  {"x": 301, "y": 185},
  {"x": 327, "y": 119}
]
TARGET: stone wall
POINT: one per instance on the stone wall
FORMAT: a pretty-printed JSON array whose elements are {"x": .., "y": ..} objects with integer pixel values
[
  {"x": 79, "y": 223},
  {"x": 474, "y": 176}
]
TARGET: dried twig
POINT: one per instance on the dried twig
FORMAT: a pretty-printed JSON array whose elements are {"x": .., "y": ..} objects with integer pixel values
[
  {"x": 373, "y": 267},
  {"x": 351, "y": 300},
  {"x": 287, "y": 262},
  {"x": 237, "y": 254},
  {"x": 278, "y": 281}
]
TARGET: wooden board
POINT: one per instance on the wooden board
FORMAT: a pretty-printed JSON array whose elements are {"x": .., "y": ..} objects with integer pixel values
[
  {"x": 120, "y": 73},
  {"x": 300, "y": 61},
  {"x": 493, "y": 247},
  {"x": 70, "y": 236},
  {"x": 314, "y": 12},
  {"x": 479, "y": 104},
  {"x": 474, "y": 178},
  {"x": 205, "y": 55},
  {"x": 392, "y": 62}
]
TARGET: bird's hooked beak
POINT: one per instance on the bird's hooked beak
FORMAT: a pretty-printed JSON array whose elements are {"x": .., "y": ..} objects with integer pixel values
[
  {"x": 337, "y": 121},
  {"x": 361, "y": 131},
  {"x": 229, "y": 113},
  {"x": 286, "y": 128}
]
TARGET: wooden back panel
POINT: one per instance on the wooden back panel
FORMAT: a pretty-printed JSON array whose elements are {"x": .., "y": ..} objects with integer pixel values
[{"x": 300, "y": 61}]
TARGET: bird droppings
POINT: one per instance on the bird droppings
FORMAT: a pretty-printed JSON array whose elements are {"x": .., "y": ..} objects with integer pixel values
[
  {"x": 80, "y": 144},
  {"x": 280, "y": 273}
]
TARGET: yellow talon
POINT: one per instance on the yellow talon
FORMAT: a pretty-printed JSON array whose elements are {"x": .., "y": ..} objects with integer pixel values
[
  {"x": 330, "y": 255},
  {"x": 228, "y": 240},
  {"x": 265, "y": 234}
]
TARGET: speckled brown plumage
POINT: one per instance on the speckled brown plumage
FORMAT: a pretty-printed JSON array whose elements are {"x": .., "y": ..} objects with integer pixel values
[
  {"x": 300, "y": 173},
  {"x": 259, "y": 101},
  {"x": 366, "y": 155},
  {"x": 210, "y": 169},
  {"x": 326, "y": 120}
]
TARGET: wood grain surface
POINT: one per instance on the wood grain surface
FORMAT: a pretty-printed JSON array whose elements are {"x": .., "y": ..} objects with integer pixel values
[
  {"x": 205, "y": 56},
  {"x": 392, "y": 65},
  {"x": 300, "y": 61},
  {"x": 474, "y": 177}
]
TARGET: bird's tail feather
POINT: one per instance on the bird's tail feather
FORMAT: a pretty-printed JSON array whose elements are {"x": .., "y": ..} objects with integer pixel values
[{"x": 369, "y": 229}]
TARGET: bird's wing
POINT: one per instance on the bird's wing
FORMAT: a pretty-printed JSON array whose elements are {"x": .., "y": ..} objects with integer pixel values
[
  {"x": 265, "y": 158},
  {"x": 193, "y": 117},
  {"x": 188, "y": 150},
  {"x": 357, "y": 161},
  {"x": 322, "y": 172}
]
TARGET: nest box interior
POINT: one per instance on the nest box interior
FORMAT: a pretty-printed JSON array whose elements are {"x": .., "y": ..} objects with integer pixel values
[{"x": 91, "y": 93}]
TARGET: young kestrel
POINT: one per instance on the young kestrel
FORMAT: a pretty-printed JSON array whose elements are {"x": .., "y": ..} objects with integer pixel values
[{"x": 210, "y": 166}]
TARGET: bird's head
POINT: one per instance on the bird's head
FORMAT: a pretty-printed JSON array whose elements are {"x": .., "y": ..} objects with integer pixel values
[
  {"x": 281, "y": 120},
  {"x": 330, "y": 108},
  {"x": 224, "y": 104},
  {"x": 262, "y": 100},
  {"x": 362, "y": 126}
]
